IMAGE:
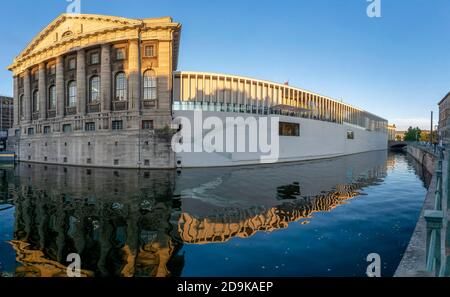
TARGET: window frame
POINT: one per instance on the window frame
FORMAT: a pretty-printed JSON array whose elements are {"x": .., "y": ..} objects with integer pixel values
[
  {"x": 50, "y": 97},
  {"x": 94, "y": 54},
  {"x": 120, "y": 50},
  {"x": 35, "y": 101},
  {"x": 153, "y": 54},
  {"x": 72, "y": 97},
  {"x": 91, "y": 87},
  {"x": 115, "y": 125},
  {"x": 150, "y": 85},
  {"x": 123, "y": 84}
]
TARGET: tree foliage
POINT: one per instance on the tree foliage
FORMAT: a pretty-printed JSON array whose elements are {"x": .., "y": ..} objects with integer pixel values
[{"x": 413, "y": 134}]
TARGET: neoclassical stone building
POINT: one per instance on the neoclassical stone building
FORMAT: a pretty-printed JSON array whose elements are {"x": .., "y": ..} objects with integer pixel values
[{"x": 96, "y": 90}]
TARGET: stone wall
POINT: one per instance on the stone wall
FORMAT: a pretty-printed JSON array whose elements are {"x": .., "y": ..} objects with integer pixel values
[{"x": 425, "y": 158}]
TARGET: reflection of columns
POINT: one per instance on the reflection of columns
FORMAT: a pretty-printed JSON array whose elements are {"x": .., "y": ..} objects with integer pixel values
[
  {"x": 27, "y": 96},
  {"x": 133, "y": 67},
  {"x": 16, "y": 101},
  {"x": 81, "y": 82},
  {"x": 106, "y": 77},
  {"x": 42, "y": 92},
  {"x": 60, "y": 86}
]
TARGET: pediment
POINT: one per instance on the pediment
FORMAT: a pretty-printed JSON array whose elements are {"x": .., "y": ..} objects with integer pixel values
[{"x": 69, "y": 26}]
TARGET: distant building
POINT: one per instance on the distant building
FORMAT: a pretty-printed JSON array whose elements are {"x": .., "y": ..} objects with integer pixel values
[
  {"x": 444, "y": 112},
  {"x": 391, "y": 132},
  {"x": 400, "y": 135},
  {"x": 6, "y": 115}
]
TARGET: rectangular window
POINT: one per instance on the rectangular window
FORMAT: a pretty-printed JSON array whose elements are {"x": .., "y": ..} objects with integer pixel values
[
  {"x": 46, "y": 129},
  {"x": 146, "y": 162},
  {"x": 147, "y": 125},
  {"x": 95, "y": 58},
  {"x": 67, "y": 128},
  {"x": 89, "y": 126},
  {"x": 72, "y": 63},
  {"x": 120, "y": 54},
  {"x": 117, "y": 125},
  {"x": 350, "y": 135},
  {"x": 116, "y": 161},
  {"x": 52, "y": 70},
  {"x": 30, "y": 131},
  {"x": 149, "y": 51},
  {"x": 289, "y": 129}
]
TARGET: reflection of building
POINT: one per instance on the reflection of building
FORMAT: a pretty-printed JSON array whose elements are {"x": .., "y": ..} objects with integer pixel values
[
  {"x": 89, "y": 89},
  {"x": 215, "y": 209},
  {"x": 391, "y": 132},
  {"x": 245, "y": 223},
  {"x": 6, "y": 114},
  {"x": 119, "y": 222},
  {"x": 444, "y": 113}
]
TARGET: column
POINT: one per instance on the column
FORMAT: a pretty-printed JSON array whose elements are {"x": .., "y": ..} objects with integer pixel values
[
  {"x": 16, "y": 101},
  {"x": 133, "y": 68},
  {"x": 60, "y": 87},
  {"x": 81, "y": 82},
  {"x": 42, "y": 92},
  {"x": 27, "y": 96},
  {"x": 105, "y": 78}
]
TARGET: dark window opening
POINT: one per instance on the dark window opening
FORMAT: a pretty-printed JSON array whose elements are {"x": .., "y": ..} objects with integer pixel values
[
  {"x": 147, "y": 125},
  {"x": 117, "y": 125},
  {"x": 116, "y": 161},
  {"x": 350, "y": 135},
  {"x": 147, "y": 162},
  {"x": 90, "y": 126},
  {"x": 289, "y": 129}
]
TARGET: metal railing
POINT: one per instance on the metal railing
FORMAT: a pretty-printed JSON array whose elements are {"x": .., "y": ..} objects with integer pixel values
[{"x": 436, "y": 262}]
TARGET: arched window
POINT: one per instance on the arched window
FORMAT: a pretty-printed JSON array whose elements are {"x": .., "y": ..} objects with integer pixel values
[
  {"x": 121, "y": 86},
  {"x": 94, "y": 89},
  {"x": 21, "y": 106},
  {"x": 52, "y": 98},
  {"x": 72, "y": 94},
  {"x": 35, "y": 101},
  {"x": 150, "y": 89}
]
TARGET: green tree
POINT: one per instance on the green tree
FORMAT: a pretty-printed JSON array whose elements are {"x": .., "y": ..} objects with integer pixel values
[{"x": 413, "y": 134}]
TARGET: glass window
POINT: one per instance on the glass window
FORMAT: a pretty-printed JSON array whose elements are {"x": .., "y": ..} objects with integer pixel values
[
  {"x": 147, "y": 125},
  {"x": 52, "y": 70},
  {"x": 120, "y": 54},
  {"x": 94, "y": 89},
  {"x": 72, "y": 63},
  {"x": 35, "y": 101},
  {"x": 121, "y": 86},
  {"x": 52, "y": 98},
  {"x": 150, "y": 85},
  {"x": 149, "y": 51},
  {"x": 72, "y": 94},
  {"x": 67, "y": 128},
  {"x": 21, "y": 105},
  {"x": 289, "y": 129},
  {"x": 90, "y": 126},
  {"x": 350, "y": 135},
  {"x": 46, "y": 129},
  {"x": 95, "y": 58},
  {"x": 117, "y": 125},
  {"x": 30, "y": 131}
]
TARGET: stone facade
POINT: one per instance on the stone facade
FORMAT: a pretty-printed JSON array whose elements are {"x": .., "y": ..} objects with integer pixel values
[
  {"x": 444, "y": 113},
  {"x": 96, "y": 90}
]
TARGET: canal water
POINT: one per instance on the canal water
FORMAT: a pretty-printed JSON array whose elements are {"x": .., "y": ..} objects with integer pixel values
[{"x": 318, "y": 218}]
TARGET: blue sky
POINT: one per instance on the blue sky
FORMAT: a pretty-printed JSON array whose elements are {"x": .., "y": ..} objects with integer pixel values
[{"x": 396, "y": 66}]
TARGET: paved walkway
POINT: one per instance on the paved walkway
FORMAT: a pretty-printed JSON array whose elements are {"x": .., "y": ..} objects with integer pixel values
[{"x": 413, "y": 262}]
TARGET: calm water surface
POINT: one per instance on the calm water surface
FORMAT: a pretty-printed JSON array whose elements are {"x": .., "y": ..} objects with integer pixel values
[{"x": 319, "y": 218}]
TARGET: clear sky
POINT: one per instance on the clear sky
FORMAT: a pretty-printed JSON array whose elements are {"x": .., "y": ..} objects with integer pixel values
[{"x": 396, "y": 66}]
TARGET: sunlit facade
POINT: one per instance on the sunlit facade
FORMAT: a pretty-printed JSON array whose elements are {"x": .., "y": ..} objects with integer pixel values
[{"x": 228, "y": 93}]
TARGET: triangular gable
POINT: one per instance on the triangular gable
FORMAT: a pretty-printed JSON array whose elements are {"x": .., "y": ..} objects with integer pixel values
[{"x": 68, "y": 26}]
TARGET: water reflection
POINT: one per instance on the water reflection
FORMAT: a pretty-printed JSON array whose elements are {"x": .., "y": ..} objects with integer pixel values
[{"x": 129, "y": 223}]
